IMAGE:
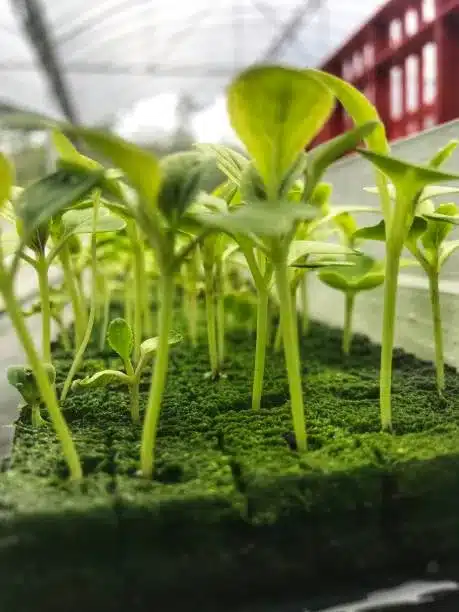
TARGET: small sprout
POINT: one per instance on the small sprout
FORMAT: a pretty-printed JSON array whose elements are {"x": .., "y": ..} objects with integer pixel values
[
  {"x": 22, "y": 378},
  {"x": 120, "y": 339}
]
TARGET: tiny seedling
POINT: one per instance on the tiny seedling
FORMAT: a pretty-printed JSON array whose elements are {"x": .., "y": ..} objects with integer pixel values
[
  {"x": 121, "y": 339},
  {"x": 22, "y": 378}
]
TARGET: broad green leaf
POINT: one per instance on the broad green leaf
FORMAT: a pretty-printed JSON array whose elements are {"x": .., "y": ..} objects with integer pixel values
[
  {"x": 322, "y": 156},
  {"x": 431, "y": 191},
  {"x": 120, "y": 338},
  {"x": 447, "y": 249},
  {"x": 82, "y": 222},
  {"x": 443, "y": 154},
  {"x": 148, "y": 347},
  {"x": 417, "y": 229},
  {"x": 230, "y": 162},
  {"x": 335, "y": 211},
  {"x": 6, "y": 179},
  {"x": 140, "y": 167},
  {"x": 182, "y": 176},
  {"x": 258, "y": 220},
  {"x": 366, "y": 273},
  {"x": 69, "y": 155},
  {"x": 409, "y": 179},
  {"x": 276, "y": 112},
  {"x": 39, "y": 202},
  {"x": 100, "y": 380},
  {"x": 23, "y": 379},
  {"x": 302, "y": 248},
  {"x": 372, "y": 232},
  {"x": 438, "y": 227}
]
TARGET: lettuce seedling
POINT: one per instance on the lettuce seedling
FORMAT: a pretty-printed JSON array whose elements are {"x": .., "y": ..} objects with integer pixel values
[
  {"x": 409, "y": 183},
  {"x": 22, "y": 378},
  {"x": 121, "y": 339}
]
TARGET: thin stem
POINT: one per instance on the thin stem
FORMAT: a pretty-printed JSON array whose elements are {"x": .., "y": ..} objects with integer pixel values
[
  {"x": 105, "y": 316},
  {"x": 260, "y": 349},
  {"x": 46, "y": 389},
  {"x": 159, "y": 377},
  {"x": 304, "y": 297},
  {"x": 92, "y": 311},
  {"x": 42, "y": 271},
  {"x": 278, "y": 338},
  {"x": 388, "y": 330},
  {"x": 211, "y": 321},
  {"x": 79, "y": 314},
  {"x": 348, "y": 312},
  {"x": 128, "y": 299},
  {"x": 291, "y": 351},
  {"x": 437, "y": 329},
  {"x": 220, "y": 314},
  {"x": 138, "y": 267},
  {"x": 134, "y": 401},
  {"x": 35, "y": 416}
]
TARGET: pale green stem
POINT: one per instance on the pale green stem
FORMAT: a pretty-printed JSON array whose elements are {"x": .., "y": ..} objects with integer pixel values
[
  {"x": 128, "y": 298},
  {"x": 138, "y": 268},
  {"x": 291, "y": 351},
  {"x": 46, "y": 389},
  {"x": 260, "y": 349},
  {"x": 388, "y": 331},
  {"x": 437, "y": 329},
  {"x": 36, "y": 419},
  {"x": 211, "y": 322},
  {"x": 348, "y": 312},
  {"x": 304, "y": 288},
  {"x": 278, "y": 338},
  {"x": 153, "y": 410},
  {"x": 105, "y": 316},
  {"x": 220, "y": 315},
  {"x": 133, "y": 391},
  {"x": 92, "y": 311},
  {"x": 79, "y": 314},
  {"x": 42, "y": 271}
]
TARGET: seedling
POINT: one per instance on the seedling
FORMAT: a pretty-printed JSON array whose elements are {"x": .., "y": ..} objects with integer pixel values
[
  {"x": 22, "y": 378},
  {"x": 409, "y": 184},
  {"x": 121, "y": 339}
]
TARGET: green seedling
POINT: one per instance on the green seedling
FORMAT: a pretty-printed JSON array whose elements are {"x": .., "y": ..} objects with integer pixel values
[
  {"x": 121, "y": 339},
  {"x": 409, "y": 189},
  {"x": 22, "y": 378}
]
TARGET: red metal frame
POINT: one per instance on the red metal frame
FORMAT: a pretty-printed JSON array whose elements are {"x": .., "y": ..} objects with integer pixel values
[{"x": 413, "y": 78}]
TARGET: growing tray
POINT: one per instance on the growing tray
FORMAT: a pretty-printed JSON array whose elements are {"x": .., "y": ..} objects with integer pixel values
[{"x": 234, "y": 514}]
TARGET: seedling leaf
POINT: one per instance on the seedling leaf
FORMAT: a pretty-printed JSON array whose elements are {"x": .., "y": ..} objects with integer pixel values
[
  {"x": 148, "y": 347},
  {"x": 303, "y": 248},
  {"x": 81, "y": 222},
  {"x": 100, "y": 379},
  {"x": 23, "y": 379},
  {"x": 276, "y": 112},
  {"x": 120, "y": 338}
]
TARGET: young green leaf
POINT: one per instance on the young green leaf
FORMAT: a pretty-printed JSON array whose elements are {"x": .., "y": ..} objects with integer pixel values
[
  {"x": 100, "y": 380},
  {"x": 22, "y": 378},
  {"x": 365, "y": 273},
  {"x": 371, "y": 232},
  {"x": 52, "y": 194},
  {"x": 276, "y": 112},
  {"x": 148, "y": 347},
  {"x": 230, "y": 162},
  {"x": 438, "y": 226},
  {"x": 302, "y": 248},
  {"x": 409, "y": 178},
  {"x": 443, "y": 154},
  {"x": 322, "y": 156},
  {"x": 6, "y": 179},
  {"x": 69, "y": 156},
  {"x": 81, "y": 222},
  {"x": 446, "y": 250},
  {"x": 120, "y": 338},
  {"x": 430, "y": 191}
]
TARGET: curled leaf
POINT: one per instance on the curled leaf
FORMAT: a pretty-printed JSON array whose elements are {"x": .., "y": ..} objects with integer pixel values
[
  {"x": 100, "y": 380},
  {"x": 148, "y": 347}
]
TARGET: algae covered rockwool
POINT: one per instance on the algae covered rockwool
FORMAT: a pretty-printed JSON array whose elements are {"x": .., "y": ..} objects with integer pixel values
[{"x": 234, "y": 512}]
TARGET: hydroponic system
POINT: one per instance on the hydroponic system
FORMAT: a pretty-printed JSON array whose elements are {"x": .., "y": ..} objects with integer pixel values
[{"x": 192, "y": 434}]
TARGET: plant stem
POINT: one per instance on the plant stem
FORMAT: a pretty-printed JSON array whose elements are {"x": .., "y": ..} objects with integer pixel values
[
  {"x": 291, "y": 351},
  {"x": 211, "y": 321},
  {"x": 134, "y": 401},
  {"x": 220, "y": 315},
  {"x": 35, "y": 415},
  {"x": 278, "y": 338},
  {"x": 92, "y": 311},
  {"x": 388, "y": 330},
  {"x": 437, "y": 329},
  {"x": 79, "y": 314},
  {"x": 304, "y": 288},
  {"x": 260, "y": 349},
  {"x": 159, "y": 376},
  {"x": 127, "y": 298},
  {"x": 138, "y": 267},
  {"x": 348, "y": 312},
  {"x": 46, "y": 389},
  {"x": 42, "y": 271},
  {"x": 105, "y": 316}
]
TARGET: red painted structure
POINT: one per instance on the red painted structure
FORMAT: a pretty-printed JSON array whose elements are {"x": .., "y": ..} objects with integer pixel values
[{"x": 406, "y": 61}]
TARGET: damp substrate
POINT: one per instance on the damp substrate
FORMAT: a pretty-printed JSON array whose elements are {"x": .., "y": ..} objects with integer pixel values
[{"x": 234, "y": 513}]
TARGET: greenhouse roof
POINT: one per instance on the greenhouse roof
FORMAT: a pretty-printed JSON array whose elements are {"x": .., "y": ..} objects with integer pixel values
[{"x": 91, "y": 60}]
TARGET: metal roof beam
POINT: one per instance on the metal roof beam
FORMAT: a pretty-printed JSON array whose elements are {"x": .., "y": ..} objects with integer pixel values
[{"x": 33, "y": 21}]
